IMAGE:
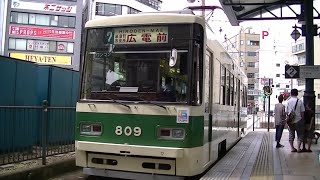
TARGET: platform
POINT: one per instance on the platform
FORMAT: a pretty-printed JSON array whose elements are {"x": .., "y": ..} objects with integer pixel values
[{"x": 256, "y": 157}]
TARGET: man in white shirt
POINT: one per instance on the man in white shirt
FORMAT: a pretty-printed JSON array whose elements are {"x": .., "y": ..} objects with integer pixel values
[{"x": 297, "y": 125}]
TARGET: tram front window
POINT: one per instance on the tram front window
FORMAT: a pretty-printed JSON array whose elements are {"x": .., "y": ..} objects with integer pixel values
[{"x": 135, "y": 76}]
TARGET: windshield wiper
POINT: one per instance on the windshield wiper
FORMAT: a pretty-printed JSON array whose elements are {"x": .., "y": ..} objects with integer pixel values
[
  {"x": 115, "y": 101},
  {"x": 156, "y": 104},
  {"x": 150, "y": 102}
]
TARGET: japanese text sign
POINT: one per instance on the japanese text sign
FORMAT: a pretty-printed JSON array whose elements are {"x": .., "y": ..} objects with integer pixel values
[
  {"x": 141, "y": 35},
  {"x": 41, "y": 32},
  {"x": 51, "y": 7},
  {"x": 43, "y": 58}
]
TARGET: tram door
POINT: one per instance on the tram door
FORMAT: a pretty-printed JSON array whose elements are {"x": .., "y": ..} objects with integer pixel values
[
  {"x": 238, "y": 105},
  {"x": 208, "y": 105}
]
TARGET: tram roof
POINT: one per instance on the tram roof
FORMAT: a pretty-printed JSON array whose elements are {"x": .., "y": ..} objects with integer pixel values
[{"x": 143, "y": 19}]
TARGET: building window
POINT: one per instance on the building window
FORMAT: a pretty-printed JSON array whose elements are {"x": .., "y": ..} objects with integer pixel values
[
  {"x": 250, "y": 86},
  {"x": 250, "y": 75},
  {"x": 301, "y": 60},
  {"x": 104, "y": 9},
  {"x": 241, "y": 42},
  {"x": 277, "y": 75},
  {"x": 132, "y": 11},
  {"x": 241, "y": 53},
  {"x": 277, "y": 65},
  {"x": 277, "y": 85},
  {"x": 287, "y": 86},
  {"x": 251, "y": 98},
  {"x": 251, "y": 64},
  {"x": 155, "y": 4},
  {"x": 43, "y": 20},
  {"x": 21, "y": 44},
  {"x": 253, "y": 43},
  {"x": 301, "y": 82},
  {"x": 41, "y": 46},
  {"x": 252, "y": 53}
]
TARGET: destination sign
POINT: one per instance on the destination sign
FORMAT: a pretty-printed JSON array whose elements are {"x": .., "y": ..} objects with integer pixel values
[{"x": 140, "y": 35}]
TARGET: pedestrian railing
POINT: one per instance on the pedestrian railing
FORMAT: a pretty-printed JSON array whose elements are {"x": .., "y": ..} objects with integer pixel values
[{"x": 31, "y": 132}]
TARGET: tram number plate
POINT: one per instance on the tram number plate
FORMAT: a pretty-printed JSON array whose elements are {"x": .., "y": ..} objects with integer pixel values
[{"x": 128, "y": 131}]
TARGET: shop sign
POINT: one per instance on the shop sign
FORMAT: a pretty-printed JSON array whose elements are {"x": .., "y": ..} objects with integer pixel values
[
  {"x": 62, "y": 47},
  {"x": 51, "y": 7},
  {"x": 43, "y": 58},
  {"x": 41, "y": 32},
  {"x": 140, "y": 35}
]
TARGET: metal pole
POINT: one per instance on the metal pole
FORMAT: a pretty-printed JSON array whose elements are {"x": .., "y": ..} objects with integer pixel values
[
  {"x": 203, "y": 3},
  {"x": 253, "y": 120},
  {"x": 309, "y": 95},
  {"x": 269, "y": 108},
  {"x": 44, "y": 131}
]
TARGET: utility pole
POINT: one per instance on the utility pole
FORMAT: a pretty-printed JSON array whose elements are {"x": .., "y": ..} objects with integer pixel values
[{"x": 309, "y": 95}]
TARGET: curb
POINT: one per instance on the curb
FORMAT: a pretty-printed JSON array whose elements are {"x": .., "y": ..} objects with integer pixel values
[{"x": 43, "y": 172}]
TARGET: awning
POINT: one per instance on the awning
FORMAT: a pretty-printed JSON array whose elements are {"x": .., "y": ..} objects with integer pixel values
[{"x": 245, "y": 10}]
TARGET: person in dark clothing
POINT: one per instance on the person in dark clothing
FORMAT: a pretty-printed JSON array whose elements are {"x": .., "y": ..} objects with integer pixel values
[
  {"x": 169, "y": 93},
  {"x": 279, "y": 118},
  {"x": 309, "y": 128}
]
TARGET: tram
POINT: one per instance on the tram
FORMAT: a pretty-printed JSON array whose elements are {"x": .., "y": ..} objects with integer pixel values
[{"x": 157, "y": 98}]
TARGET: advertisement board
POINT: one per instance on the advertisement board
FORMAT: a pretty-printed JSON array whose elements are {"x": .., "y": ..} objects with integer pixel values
[
  {"x": 41, "y": 32},
  {"x": 49, "y": 7},
  {"x": 43, "y": 58}
]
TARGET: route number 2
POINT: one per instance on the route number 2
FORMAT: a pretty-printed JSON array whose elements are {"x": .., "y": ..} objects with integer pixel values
[{"x": 128, "y": 131}]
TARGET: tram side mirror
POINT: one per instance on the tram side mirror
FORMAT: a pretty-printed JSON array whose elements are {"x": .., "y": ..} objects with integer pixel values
[{"x": 173, "y": 58}]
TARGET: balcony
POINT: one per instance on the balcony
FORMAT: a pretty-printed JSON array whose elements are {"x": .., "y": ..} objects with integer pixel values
[
  {"x": 253, "y": 92},
  {"x": 155, "y": 4}
]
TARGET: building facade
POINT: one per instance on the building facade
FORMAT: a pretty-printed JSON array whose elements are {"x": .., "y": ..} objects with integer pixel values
[
  {"x": 44, "y": 31},
  {"x": 101, "y": 8},
  {"x": 3, "y": 12},
  {"x": 247, "y": 45},
  {"x": 299, "y": 58}
]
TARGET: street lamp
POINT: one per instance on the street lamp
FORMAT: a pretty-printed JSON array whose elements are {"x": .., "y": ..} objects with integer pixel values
[{"x": 295, "y": 33}]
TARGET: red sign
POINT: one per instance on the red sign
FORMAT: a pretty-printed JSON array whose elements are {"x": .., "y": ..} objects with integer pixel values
[
  {"x": 57, "y": 8},
  {"x": 41, "y": 32},
  {"x": 265, "y": 34}
]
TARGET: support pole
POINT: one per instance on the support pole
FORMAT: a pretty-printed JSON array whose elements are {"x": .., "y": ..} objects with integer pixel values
[
  {"x": 269, "y": 107},
  {"x": 309, "y": 95},
  {"x": 203, "y": 3}
]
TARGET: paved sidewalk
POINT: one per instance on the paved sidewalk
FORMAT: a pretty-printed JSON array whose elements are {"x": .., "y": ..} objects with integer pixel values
[
  {"x": 255, "y": 157},
  {"x": 33, "y": 169}
]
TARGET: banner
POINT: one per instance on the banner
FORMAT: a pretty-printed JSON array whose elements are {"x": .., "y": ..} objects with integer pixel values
[
  {"x": 42, "y": 58},
  {"x": 41, "y": 32},
  {"x": 49, "y": 7}
]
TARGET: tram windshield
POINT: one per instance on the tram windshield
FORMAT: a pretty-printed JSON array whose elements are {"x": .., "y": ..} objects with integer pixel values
[{"x": 134, "y": 72}]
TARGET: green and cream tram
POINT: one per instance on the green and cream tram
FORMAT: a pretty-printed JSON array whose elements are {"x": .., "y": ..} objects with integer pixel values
[{"x": 157, "y": 98}]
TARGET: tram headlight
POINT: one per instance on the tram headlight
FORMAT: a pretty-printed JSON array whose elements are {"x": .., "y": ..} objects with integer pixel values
[
  {"x": 178, "y": 133},
  {"x": 90, "y": 129},
  {"x": 171, "y": 133}
]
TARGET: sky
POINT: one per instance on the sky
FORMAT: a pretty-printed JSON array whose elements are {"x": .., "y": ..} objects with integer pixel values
[
  {"x": 274, "y": 48},
  {"x": 281, "y": 28}
]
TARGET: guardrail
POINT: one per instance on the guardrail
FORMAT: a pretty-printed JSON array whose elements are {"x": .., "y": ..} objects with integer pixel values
[
  {"x": 31, "y": 132},
  {"x": 261, "y": 121}
]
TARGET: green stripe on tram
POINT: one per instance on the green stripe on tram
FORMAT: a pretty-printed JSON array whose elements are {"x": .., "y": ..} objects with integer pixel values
[{"x": 148, "y": 125}]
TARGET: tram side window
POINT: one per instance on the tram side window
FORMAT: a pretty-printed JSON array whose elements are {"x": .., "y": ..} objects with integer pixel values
[
  {"x": 197, "y": 72},
  {"x": 223, "y": 86},
  {"x": 231, "y": 90},
  {"x": 227, "y": 87}
]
